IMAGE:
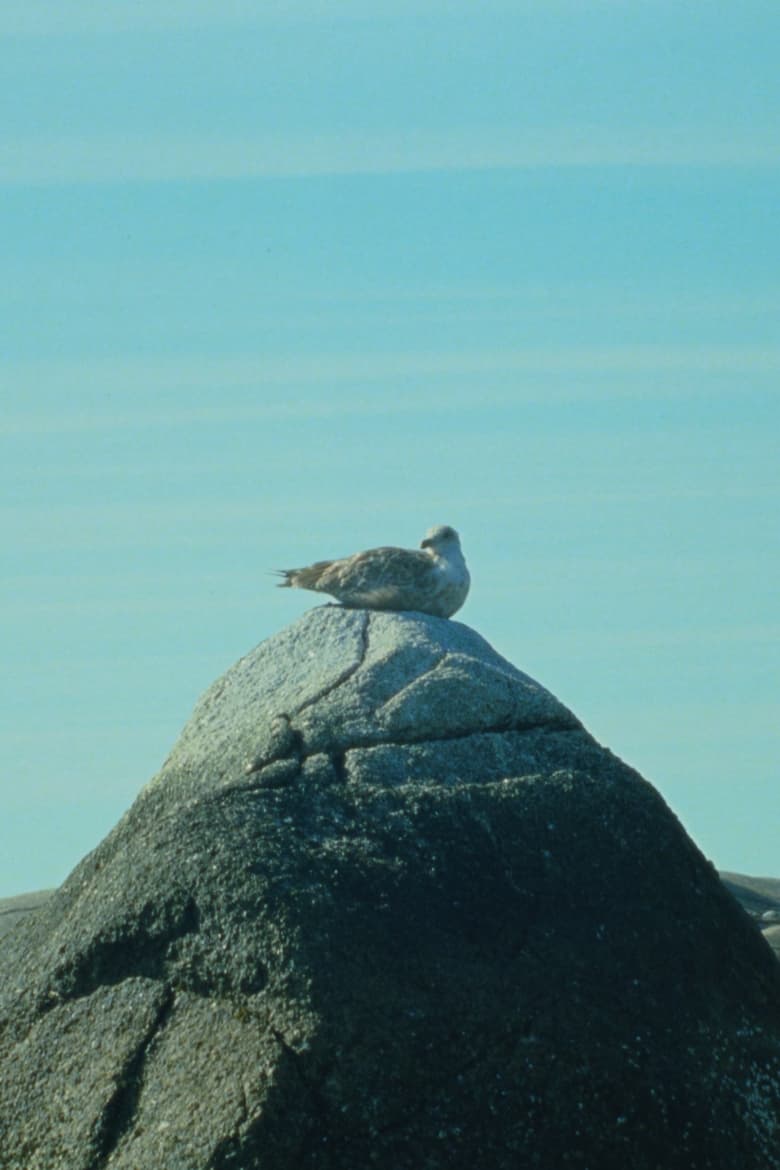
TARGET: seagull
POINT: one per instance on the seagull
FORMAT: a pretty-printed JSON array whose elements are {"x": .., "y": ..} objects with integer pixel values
[{"x": 433, "y": 579}]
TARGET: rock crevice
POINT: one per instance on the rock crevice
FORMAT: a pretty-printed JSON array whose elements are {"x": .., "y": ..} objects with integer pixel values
[{"x": 118, "y": 1113}]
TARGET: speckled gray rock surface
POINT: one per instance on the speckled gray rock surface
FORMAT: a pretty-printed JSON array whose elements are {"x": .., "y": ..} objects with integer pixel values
[
  {"x": 13, "y": 910},
  {"x": 388, "y": 904},
  {"x": 340, "y": 682}
]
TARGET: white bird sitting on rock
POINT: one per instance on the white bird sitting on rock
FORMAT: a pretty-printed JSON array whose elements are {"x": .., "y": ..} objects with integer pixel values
[{"x": 432, "y": 580}]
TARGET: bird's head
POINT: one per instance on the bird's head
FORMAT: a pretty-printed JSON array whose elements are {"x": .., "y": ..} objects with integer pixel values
[{"x": 440, "y": 537}]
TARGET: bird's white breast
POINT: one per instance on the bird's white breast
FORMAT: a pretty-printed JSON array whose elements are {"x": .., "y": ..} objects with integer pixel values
[{"x": 452, "y": 581}]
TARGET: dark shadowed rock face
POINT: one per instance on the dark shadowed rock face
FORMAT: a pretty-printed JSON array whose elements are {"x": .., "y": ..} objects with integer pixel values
[{"x": 388, "y": 905}]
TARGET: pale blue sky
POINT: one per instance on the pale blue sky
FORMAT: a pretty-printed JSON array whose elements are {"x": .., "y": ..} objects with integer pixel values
[{"x": 284, "y": 280}]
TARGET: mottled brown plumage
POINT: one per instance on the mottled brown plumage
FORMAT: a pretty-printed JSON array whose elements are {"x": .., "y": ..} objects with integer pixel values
[{"x": 433, "y": 579}]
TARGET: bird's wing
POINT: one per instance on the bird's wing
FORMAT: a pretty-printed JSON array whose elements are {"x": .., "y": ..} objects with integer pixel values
[{"x": 375, "y": 569}]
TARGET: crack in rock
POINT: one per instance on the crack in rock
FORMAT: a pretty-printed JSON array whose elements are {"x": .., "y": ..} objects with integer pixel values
[
  {"x": 416, "y": 680},
  {"x": 143, "y": 951},
  {"x": 551, "y": 725},
  {"x": 275, "y": 774},
  {"x": 286, "y": 743},
  {"x": 339, "y": 764},
  {"x": 346, "y": 674},
  {"x": 119, "y": 1111},
  {"x": 281, "y": 773},
  {"x": 315, "y": 1094}
]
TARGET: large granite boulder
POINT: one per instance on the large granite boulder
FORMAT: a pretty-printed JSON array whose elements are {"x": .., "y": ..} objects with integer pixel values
[{"x": 387, "y": 904}]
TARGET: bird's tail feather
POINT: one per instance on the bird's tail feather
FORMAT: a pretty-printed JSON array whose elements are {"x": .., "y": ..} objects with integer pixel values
[{"x": 308, "y": 578}]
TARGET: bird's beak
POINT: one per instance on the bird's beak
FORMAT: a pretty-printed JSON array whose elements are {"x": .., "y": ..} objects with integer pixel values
[{"x": 426, "y": 543}]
